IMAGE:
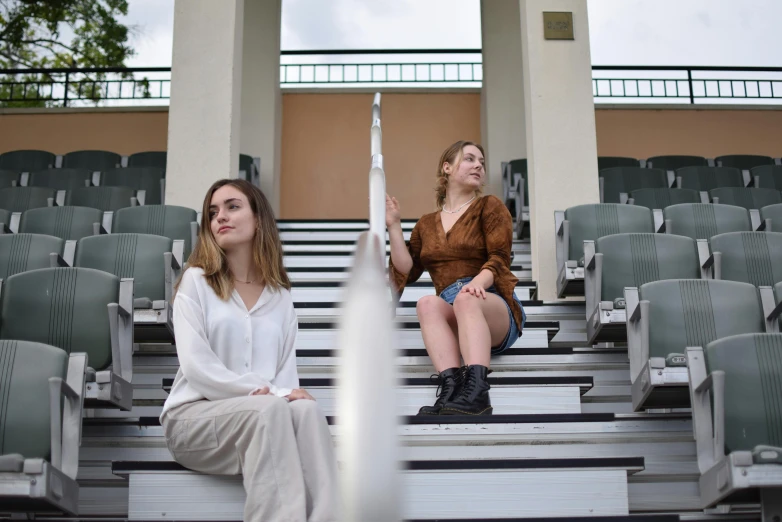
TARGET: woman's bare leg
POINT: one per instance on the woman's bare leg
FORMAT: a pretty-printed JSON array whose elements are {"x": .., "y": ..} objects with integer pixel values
[
  {"x": 438, "y": 327},
  {"x": 482, "y": 323}
]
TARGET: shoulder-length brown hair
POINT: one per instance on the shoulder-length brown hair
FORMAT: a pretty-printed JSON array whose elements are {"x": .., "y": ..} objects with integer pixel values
[
  {"x": 453, "y": 156},
  {"x": 266, "y": 249}
]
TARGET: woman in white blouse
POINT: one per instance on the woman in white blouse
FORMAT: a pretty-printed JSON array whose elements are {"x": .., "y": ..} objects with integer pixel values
[{"x": 236, "y": 406}]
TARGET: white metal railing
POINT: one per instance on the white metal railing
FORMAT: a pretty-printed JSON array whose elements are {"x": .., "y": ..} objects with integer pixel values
[{"x": 366, "y": 399}]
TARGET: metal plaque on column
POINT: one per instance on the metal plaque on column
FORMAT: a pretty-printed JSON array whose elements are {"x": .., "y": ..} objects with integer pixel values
[{"x": 558, "y": 25}]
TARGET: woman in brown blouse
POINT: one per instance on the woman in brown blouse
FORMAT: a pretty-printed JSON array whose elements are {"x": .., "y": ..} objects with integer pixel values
[{"x": 466, "y": 248}]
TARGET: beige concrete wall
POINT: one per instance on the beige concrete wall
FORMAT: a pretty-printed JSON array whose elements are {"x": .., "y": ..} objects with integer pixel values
[{"x": 326, "y": 140}]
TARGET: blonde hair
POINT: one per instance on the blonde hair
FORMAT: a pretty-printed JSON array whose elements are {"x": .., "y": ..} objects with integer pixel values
[
  {"x": 453, "y": 156},
  {"x": 266, "y": 248}
]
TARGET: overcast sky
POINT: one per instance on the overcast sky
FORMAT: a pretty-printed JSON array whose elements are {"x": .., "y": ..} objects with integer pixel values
[{"x": 622, "y": 32}]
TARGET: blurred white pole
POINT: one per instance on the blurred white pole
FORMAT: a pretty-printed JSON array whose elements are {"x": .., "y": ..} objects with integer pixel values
[{"x": 366, "y": 400}]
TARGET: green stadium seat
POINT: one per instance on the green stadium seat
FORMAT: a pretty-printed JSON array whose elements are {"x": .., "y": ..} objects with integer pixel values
[
  {"x": 248, "y": 170},
  {"x": 147, "y": 259},
  {"x": 749, "y": 198},
  {"x": 617, "y": 183},
  {"x": 615, "y": 262},
  {"x": 27, "y": 160},
  {"x": 147, "y": 181},
  {"x": 107, "y": 199},
  {"x": 767, "y": 176},
  {"x": 772, "y": 217},
  {"x": 161, "y": 220},
  {"x": 19, "y": 199},
  {"x": 743, "y": 161},
  {"x": 9, "y": 178},
  {"x": 154, "y": 159},
  {"x": 43, "y": 393},
  {"x": 67, "y": 308},
  {"x": 655, "y": 198},
  {"x": 5, "y": 221},
  {"x": 610, "y": 162},
  {"x": 703, "y": 179},
  {"x": 23, "y": 252},
  {"x": 666, "y": 317},
  {"x": 676, "y": 162},
  {"x": 68, "y": 223},
  {"x": 704, "y": 220},
  {"x": 590, "y": 222},
  {"x": 735, "y": 388},
  {"x": 749, "y": 257},
  {"x": 94, "y": 160},
  {"x": 61, "y": 179}
]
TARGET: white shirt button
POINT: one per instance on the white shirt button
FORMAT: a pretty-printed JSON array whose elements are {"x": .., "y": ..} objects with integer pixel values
[
  {"x": 247, "y": 316},
  {"x": 246, "y": 365},
  {"x": 247, "y": 339}
]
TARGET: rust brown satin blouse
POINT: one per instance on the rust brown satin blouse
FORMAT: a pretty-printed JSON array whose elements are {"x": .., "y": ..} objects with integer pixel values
[{"x": 481, "y": 238}]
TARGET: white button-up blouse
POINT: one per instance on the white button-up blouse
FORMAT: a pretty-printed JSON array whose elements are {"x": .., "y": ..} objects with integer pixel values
[{"x": 227, "y": 351}]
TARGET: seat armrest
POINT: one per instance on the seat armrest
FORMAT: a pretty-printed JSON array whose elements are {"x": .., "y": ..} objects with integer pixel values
[
  {"x": 754, "y": 218},
  {"x": 141, "y": 197},
  {"x": 659, "y": 221},
  {"x": 56, "y": 261},
  {"x": 771, "y": 310},
  {"x": 66, "y": 416}
]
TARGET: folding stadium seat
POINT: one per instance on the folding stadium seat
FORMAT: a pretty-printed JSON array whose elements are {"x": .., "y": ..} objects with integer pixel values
[
  {"x": 27, "y": 160},
  {"x": 23, "y": 252},
  {"x": 610, "y": 162},
  {"x": 515, "y": 192},
  {"x": 8, "y": 178},
  {"x": 94, "y": 160},
  {"x": 61, "y": 180},
  {"x": 18, "y": 199},
  {"x": 749, "y": 257},
  {"x": 67, "y": 308},
  {"x": 153, "y": 262},
  {"x": 590, "y": 222},
  {"x": 735, "y": 392},
  {"x": 772, "y": 217},
  {"x": 676, "y": 162},
  {"x": 248, "y": 170},
  {"x": 704, "y": 220},
  {"x": 666, "y": 317},
  {"x": 655, "y": 198},
  {"x": 617, "y": 183},
  {"x": 767, "y": 176},
  {"x": 704, "y": 179},
  {"x": 154, "y": 159},
  {"x": 615, "y": 262},
  {"x": 743, "y": 161},
  {"x": 43, "y": 395},
  {"x": 161, "y": 220},
  {"x": 68, "y": 223},
  {"x": 107, "y": 199},
  {"x": 751, "y": 199},
  {"x": 5, "y": 221},
  {"x": 149, "y": 182}
]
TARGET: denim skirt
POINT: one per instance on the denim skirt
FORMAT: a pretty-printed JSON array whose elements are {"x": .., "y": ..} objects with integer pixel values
[{"x": 451, "y": 291}]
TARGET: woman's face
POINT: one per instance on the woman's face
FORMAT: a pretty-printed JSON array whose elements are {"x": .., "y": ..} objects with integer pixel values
[
  {"x": 470, "y": 172},
  {"x": 231, "y": 218}
]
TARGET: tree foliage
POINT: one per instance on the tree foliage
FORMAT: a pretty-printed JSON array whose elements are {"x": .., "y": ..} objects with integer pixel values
[{"x": 60, "y": 34}]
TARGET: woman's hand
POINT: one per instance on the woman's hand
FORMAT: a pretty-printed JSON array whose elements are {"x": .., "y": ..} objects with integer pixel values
[
  {"x": 474, "y": 288},
  {"x": 261, "y": 391},
  {"x": 300, "y": 394},
  {"x": 393, "y": 214}
]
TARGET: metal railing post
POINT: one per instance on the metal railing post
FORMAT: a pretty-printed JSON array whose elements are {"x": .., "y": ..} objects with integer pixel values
[
  {"x": 689, "y": 86},
  {"x": 65, "y": 96}
]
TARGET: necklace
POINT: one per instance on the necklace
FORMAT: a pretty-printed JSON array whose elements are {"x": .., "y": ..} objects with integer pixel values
[
  {"x": 458, "y": 209},
  {"x": 244, "y": 282}
]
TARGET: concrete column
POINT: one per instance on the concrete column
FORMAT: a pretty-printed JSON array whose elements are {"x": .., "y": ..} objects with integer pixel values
[
  {"x": 502, "y": 94},
  {"x": 560, "y": 123},
  {"x": 204, "y": 114},
  {"x": 261, "y": 116}
]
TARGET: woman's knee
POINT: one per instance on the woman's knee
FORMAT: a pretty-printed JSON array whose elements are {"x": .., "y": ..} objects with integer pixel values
[
  {"x": 429, "y": 305},
  {"x": 465, "y": 302},
  {"x": 269, "y": 406}
]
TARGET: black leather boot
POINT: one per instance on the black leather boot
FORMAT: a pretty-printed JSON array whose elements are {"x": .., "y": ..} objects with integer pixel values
[
  {"x": 473, "y": 399},
  {"x": 449, "y": 383}
]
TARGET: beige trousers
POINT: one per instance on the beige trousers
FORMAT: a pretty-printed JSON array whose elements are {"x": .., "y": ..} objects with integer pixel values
[{"x": 283, "y": 450}]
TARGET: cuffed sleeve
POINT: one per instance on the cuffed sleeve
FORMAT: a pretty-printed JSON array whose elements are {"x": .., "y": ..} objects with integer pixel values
[
  {"x": 399, "y": 280},
  {"x": 498, "y": 232},
  {"x": 204, "y": 371}
]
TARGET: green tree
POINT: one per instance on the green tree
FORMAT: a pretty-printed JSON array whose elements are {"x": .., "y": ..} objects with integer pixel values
[{"x": 56, "y": 34}]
